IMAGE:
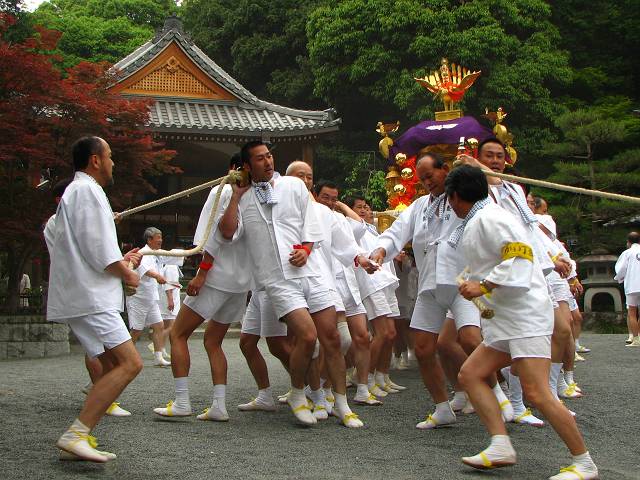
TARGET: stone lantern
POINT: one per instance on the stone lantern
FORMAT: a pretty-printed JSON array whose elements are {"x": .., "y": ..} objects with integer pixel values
[{"x": 600, "y": 288}]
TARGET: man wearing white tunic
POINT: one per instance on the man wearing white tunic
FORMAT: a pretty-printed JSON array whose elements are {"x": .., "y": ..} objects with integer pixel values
[
  {"x": 143, "y": 309},
  {"x": 85, "y": 290},
  {"x": 337, "y": 250},
  {"x": 347, "y": 286},
  {"x": 280, "y": 230},
  {"x": 503, "y": 271},
  {"x": 427, "y": 224},
  {"x": 93, "y": 365},
  {"x": 510, "y": 196},
  {"x": 628, "y": 272},
  {"x": 218, "y": 293}
]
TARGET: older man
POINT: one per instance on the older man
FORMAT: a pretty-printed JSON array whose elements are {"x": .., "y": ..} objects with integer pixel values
[
  {"x": 85, "y": 290},
  {"x": 143, "y": 309}
]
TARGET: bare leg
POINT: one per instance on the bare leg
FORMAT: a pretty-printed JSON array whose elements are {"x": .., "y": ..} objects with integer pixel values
[
  {"x": 184, "y": 325},
  {"x": 158, "y": 336},
  {"x": 94, "y": 368},
  {"x": 280, "y": 347},
  {"x": 360, "y": 345},
  {"x": 386, "y": 351},
  {"x": 213, "y": 337},
  {"x": 451, "y": 354},
  {"x": 327, "y": 327},
  {"x": 255, "y": 360},
  {"x": 632, "y": 321},
  {"x": 126, "y": 364},
  {"x": 379, "y": 326},
  {"x": 430, "y": 368},
  {"x": 302, "y": 328}
]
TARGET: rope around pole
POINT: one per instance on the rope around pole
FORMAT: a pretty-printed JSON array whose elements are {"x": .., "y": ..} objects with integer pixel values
[
  {"x": 177, "y": 252},
  {"x": 543, "y": 184}
]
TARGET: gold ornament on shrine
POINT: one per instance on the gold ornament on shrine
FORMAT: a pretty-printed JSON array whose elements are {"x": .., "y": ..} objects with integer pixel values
[
  {"x": 399, "y": 189},
  {"x": 406, "y": 173},
  {"x": 385, "y": 129},
  {"x": 449, "y": 85},
  {"x": 501, "y": 132},
  {"x": 401, "y": 158}
]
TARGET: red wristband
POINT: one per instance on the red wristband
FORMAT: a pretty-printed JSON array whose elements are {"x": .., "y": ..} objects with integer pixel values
[
  {"x": 302, "y": 247},
  {"x": 206, "y": 266},
  {"x": 356, "y": 263}
]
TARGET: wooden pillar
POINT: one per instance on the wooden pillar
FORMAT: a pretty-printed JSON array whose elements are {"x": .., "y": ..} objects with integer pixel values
[{"x": 308, "y": 153}]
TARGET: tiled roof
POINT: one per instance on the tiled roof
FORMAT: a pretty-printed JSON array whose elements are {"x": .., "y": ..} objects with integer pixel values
[{"x": 247, "y": 115}]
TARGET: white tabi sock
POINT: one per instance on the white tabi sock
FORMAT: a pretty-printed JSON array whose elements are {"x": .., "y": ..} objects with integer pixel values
[
  {"x": 363, "y": 390},
  {"x": 158, "y": 356},
  {"x": 182, "y": 393},
  {"x": 265, "y": 396},
  {"x": 219, "y": 394},
  {"x": 568, "y": 376},
  {"x": 379, "y": 378},
  {"x": 553, "y": 378},
  {"x": 341, "y": 404},
  {"x": 371, "y": 381},
  {"x": 584, "y": 460},
  {"x": 577, "y": 342}
]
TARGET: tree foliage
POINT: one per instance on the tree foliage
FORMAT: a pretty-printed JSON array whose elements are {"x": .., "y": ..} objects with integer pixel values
[
  {"x": 102, "y": 30},
  {"x": 41, "y": 115},
  {"x": 261, "y": 42}
]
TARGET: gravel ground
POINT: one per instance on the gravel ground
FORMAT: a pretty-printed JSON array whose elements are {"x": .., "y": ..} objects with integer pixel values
[{"x": 39, "y": 398}]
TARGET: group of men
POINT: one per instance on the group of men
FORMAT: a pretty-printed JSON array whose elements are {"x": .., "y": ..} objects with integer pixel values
[{"x": 322, "y": 286}]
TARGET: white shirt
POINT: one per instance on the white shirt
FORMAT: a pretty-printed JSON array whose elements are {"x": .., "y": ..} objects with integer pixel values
[
  {"x": 521, "y": 303},
  {"x": 383, "y": 278},
  {"x": 171, "y": 273},
  {"x": 147, "y": 290},
  {"x": 84, "y": 244},
  {"x": 338, "y": 245},
  {"x": 49, "y": 232},
  {"x": 437, "y": 262},
  {"x": 628, "y": 269},
  {"x": 502, "y": 196},
  {"x": 232, "y": 267},
  {"x": 271, "y": 231},
  {"x": 343, "y": 272}
]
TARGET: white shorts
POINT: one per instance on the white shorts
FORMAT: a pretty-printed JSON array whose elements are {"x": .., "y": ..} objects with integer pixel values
[
  {"x": 306, "y": 292},
  {"x": 633, "y": 299},
  {"x": 337, "y": 300},
  {"x": 561, "y": 291},
  {"x": 392, "y": 300},
  {"x": 98, "y": 331},
  {"x": 434, "y": 306},
  {"x": 573, "y": 305},
  {"x": 376, "y": 305},
  {"x": 214, "y": 304},
  {"x": 260, "y": 319},
  {"x": 529, "y": 347},
  {"x": 142, "y": 314},
  {"x": 351, "y": 308}
]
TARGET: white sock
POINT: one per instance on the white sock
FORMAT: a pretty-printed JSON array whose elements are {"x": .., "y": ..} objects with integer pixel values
[
  {"x": 497, "y": 391},
  {"x": 553, "y": 378},
  {"x": 341, "y": 404},
  {"x": 515, "y": 395},
  {"x": 219, "y": 394},
  {"x": 317, "y": 396},
  {"x": 568, "y": 376},
  {"x": 577, "y": 342},
  {"x": 459, "y": 397},
  {"x": 371, "y": 381},
  {"x": 297, "y": 397},
  {"x": 322, "y": 381},
  {"x": 182, "y": 392},
  {"x": 328, "y": 392},
  {"x": 379, "y": 377},
  {"x": 584, "y": 460},
  {"x": 158, "y": 356},
  {"x": 443, "y": 409},
  {"x": 265, "y": 396},
  {"x": 500, "y": 445},
  {"x": 387, "y": 379},
  {"x": 79, "y": 427},
  {"x": 363, "y": 390},
  {"x": 562, "y": 384}
]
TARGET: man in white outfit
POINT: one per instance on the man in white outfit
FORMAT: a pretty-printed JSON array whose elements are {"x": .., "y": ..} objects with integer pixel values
[
  {"x": 85, "y": 290},
  {"x": 503, "y": 271},
  {"x": 628, "y": 272}
]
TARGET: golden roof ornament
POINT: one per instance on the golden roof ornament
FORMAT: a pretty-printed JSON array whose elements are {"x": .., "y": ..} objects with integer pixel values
[
  {"x": 449, "y": 85},
  {"x": 385, "y": 129},
  {"x": 501, "y": 132}
]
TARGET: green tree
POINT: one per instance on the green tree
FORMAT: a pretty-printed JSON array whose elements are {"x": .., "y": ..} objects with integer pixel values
[
  {"x": 102, "y": 30},
  {"x": 594, "y": 153},
  {"x": 262, "y": 43},
  {"x": 365, "y": 53}
]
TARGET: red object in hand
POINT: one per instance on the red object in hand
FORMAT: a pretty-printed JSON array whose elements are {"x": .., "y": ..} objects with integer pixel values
[
  {"x": 206, "y": 266},
  {"x": 302, "y": 247}
]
